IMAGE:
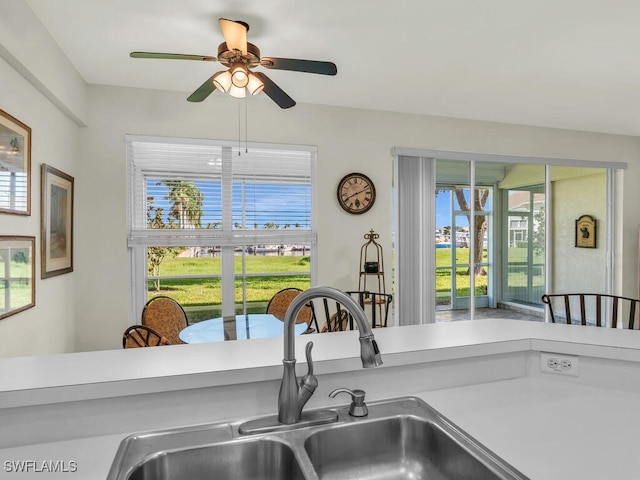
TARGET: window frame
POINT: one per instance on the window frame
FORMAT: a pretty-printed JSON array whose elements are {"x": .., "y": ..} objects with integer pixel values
[{"x": 139, "y": 237}]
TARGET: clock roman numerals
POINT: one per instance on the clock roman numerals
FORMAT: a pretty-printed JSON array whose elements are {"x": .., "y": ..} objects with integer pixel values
[{"x": 356, "y": 193}]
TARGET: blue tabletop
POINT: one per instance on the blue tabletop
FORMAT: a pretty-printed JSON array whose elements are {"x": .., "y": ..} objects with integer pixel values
[{"x": 254, "y": 325}]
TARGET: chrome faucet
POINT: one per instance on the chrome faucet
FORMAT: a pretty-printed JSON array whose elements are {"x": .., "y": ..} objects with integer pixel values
[{"x": 293, "y": 395}]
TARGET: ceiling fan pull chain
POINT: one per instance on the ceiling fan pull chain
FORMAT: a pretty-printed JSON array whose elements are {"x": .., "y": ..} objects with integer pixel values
[{"x": 246, "y": 126}]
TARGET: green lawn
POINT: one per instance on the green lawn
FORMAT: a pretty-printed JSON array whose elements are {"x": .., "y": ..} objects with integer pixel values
[
  {"x": 254, "y": 264},
  {"x": 443, "y": 277},
  {"x": 201, "y": 297},
  {"x": 463, "y": 280},
  {"x": 19, "y": 290}
]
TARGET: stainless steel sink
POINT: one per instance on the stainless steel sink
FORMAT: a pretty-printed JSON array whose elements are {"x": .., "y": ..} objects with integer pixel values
[
  {"x": 259, "y": 459},
  {"x": 404, "y": 447},
  {"x": 400, "y": 439}
]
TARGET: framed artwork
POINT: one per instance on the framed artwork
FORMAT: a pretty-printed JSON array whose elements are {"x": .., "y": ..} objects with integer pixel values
[
  {"x": 15, "y": 166},
  {"x": 586, "y": 232},
  {"x": 56, "y": 225},
  {"x": 17, "y": 262}
]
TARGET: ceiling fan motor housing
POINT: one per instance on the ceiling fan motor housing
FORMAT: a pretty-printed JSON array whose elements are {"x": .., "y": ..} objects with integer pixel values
[{"x": 229, "y": 57}]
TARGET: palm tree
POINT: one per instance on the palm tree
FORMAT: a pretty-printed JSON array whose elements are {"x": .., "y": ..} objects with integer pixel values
[{"x": 186, "y": 202}]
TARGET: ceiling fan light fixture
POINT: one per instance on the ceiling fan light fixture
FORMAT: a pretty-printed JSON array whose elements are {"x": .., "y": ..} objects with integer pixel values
[
  {"x": 239, "y": 76},
  {"x": 255, "y": 85},
  {"x": 222, "y": 81},
  {"x": 237, "y": 92}
]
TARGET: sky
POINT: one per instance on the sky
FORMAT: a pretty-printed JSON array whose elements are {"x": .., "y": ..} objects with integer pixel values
[{"x": 282, "y": 204}]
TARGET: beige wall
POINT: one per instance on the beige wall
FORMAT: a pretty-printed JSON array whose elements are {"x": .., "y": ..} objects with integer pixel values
[
  {"x": 49, "y": 327},
  {"x": 87, "y": 309},
  {"x": 578, "y": 269}
]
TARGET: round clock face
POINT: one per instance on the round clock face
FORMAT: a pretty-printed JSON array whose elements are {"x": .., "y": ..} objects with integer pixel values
[{"x": 356, "y": 193}]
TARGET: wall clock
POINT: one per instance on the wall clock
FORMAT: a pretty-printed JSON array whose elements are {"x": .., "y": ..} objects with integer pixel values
[{"x": 356, "y": 193}]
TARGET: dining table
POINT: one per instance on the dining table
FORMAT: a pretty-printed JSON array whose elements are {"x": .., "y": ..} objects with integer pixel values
[{"x": 248, "y": 326}]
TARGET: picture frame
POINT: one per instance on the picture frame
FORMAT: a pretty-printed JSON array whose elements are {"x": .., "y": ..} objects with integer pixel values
[
  {"x": 56, "y": 222},
  {"x": 586, "y": 232},
  {"x": 15, "y": 166},
  {"x": 18, "y": 267}
]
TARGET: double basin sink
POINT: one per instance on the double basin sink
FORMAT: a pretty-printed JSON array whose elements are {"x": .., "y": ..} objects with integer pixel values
[{"x": 402, "y": 438}]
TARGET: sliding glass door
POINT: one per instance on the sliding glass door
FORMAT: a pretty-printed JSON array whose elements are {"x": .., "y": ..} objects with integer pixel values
[
  {"x": 489, "y": 234},
  {"x": 523, "y": 241}
]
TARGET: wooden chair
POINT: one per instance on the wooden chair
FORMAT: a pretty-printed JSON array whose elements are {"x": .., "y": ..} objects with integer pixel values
[
  {"x": 593, "y": 309},
  {"x": 166, "y": 316},
  {"x": 141, "y": 336},
  {"x": 280, "y": 302},
  {"x": 336, "y": 322}
]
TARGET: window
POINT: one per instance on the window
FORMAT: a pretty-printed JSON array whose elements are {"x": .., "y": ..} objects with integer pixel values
[{"x": 218, "y": 228}]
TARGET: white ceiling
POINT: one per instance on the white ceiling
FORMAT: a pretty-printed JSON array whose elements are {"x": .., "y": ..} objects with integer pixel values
[{"x": 560, "y": 63}]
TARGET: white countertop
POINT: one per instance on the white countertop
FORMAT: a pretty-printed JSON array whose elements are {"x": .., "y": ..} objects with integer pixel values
[
  {"x": 548, "y": 426},
  {"x": 103, "y": 374},
  {"x": 550, "y": 430},
  {"x": 547, "y": 429}
]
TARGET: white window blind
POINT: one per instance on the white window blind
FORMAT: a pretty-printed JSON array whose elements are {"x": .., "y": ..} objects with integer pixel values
[{"x": 261, "y": 194}]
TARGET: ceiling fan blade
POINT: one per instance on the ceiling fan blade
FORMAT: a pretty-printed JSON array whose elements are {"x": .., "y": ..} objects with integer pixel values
[
  {"x": 274, "y": 92},
  {"x": 172, "y": 56},
  {"x": 309, "y": 66},
  {"x": 235, "y": 34},
  {"x": 203, "y": 91}
]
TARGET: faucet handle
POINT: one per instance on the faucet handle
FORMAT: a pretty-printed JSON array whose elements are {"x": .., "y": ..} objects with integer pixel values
[
  {"x": 358, "y": 408},
  {"x": 309, "y": 381}
]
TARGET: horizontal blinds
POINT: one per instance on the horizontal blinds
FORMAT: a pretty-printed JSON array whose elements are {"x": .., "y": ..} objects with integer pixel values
[
  {"x": 13, "y": 190},
  {"x": 187, "y": 192},
  {"x": 271, "y": 189}
]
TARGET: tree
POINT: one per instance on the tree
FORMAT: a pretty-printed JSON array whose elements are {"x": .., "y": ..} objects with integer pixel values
[
  {"x": 155, "y": 255},
  {"x": 480, "y": 197},
  {"x": 539, "y": 231},
  {"x": 186, "y": 202}
]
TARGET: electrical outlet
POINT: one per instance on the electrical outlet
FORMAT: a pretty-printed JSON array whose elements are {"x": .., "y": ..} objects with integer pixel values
[{"x": 559, "y": 363}]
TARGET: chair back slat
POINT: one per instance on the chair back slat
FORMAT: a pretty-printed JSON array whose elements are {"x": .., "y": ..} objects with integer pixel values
[
  {"x": 583, "y": 314},
  {"x": 614, "y": 313},
  {"x": 338, "y": 321},
  {"x": 590, "y": 303},
  {"x": 567, "y": 309}
]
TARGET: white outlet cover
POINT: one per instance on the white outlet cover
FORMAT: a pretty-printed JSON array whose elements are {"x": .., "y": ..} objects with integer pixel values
[{"x": 560, "y": 364}]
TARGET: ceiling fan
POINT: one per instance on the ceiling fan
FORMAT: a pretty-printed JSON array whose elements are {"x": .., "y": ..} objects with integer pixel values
[{"x": 241, "y": 57}]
